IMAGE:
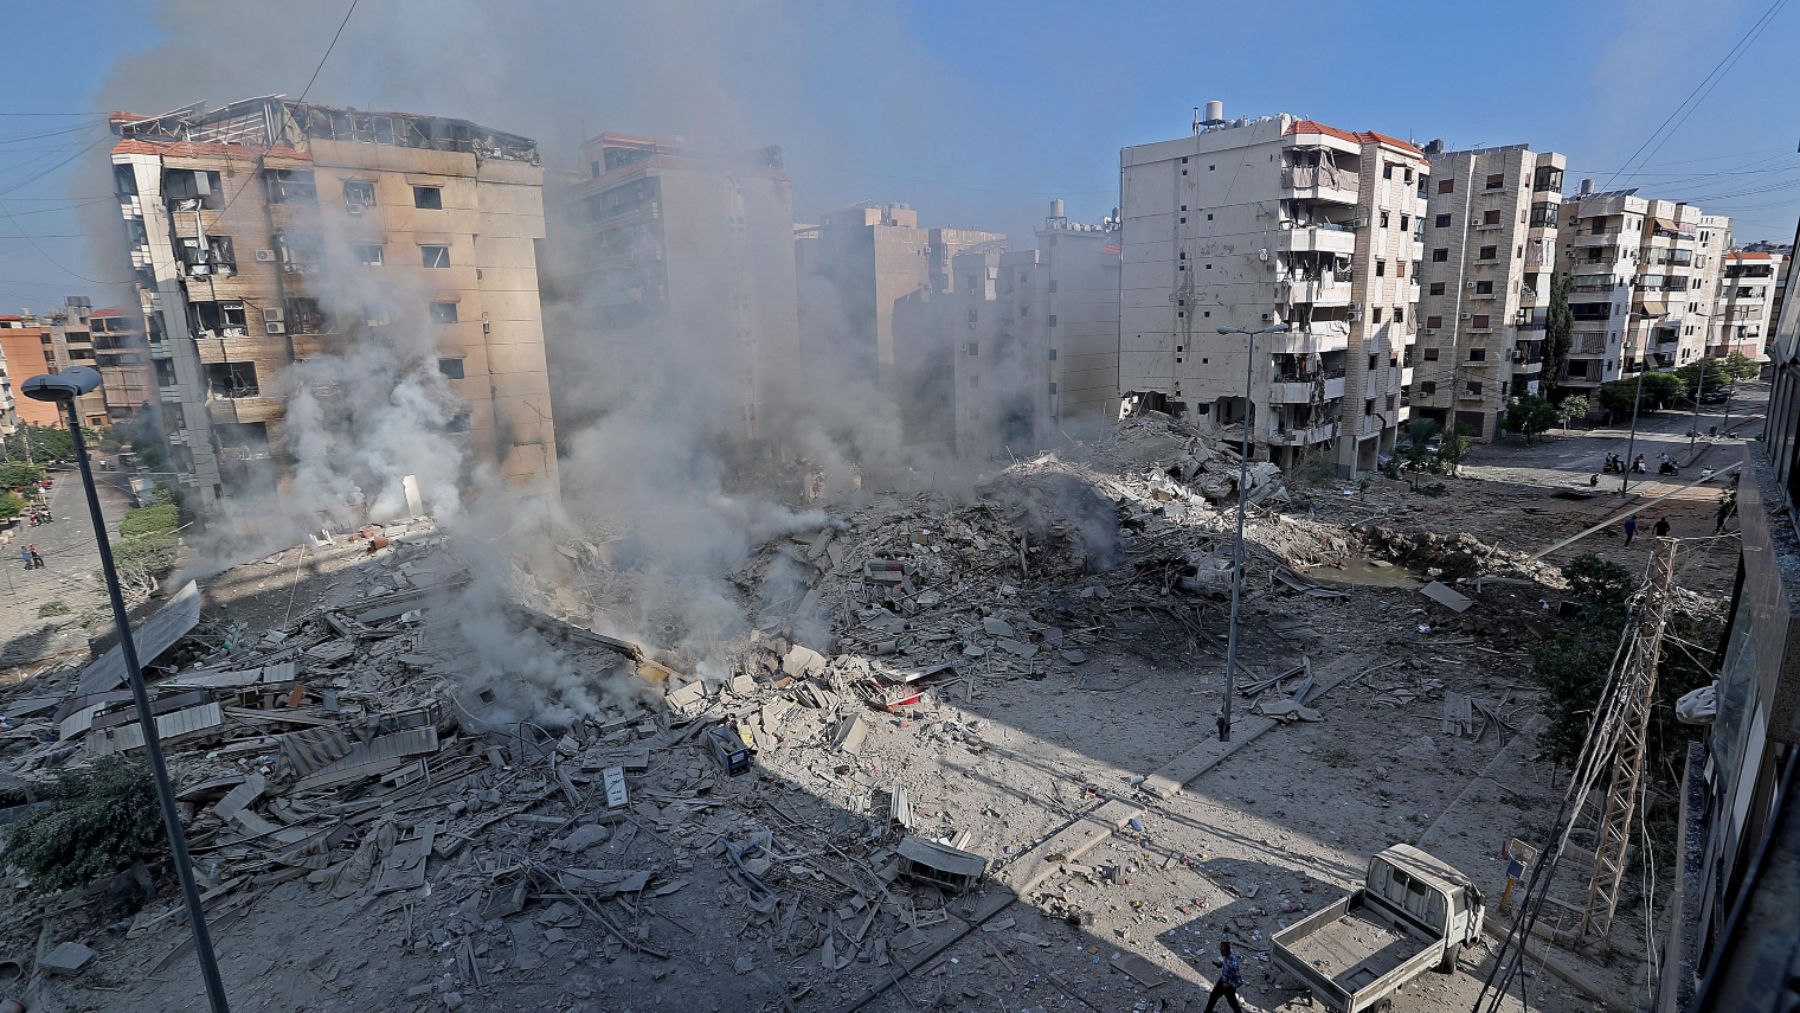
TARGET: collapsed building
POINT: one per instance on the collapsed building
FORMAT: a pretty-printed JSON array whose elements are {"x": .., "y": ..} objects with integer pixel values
[{"x": 267, "y": 231}]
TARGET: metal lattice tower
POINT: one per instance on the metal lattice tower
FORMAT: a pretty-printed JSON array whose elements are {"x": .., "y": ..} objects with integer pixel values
[{"x": 1636, "y": 691}]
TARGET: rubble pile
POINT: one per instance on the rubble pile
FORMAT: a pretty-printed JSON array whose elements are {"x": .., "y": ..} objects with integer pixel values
[{"x": 1440, "y": 555}]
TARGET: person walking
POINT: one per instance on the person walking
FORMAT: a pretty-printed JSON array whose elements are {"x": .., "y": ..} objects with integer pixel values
[
  {"x": 1231, "y": 978},
  {"x": 1630, "y": 529},
  {"x": 25, "y": 556},
  {"x": 37, "y": 561},
  {"x": 1662, "y": 527}
]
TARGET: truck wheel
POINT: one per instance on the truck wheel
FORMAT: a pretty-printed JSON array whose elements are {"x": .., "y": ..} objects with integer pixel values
[
  {"x": 1448, "y": 964},
  {"x": 1384, "y": 1006}
]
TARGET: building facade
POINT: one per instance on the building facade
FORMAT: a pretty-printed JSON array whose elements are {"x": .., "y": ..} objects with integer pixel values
[
  {"x": 127, "y": 382},
  {"x": 50, "y": 343},
  {"x": 1746, "y": 310},
  {"x": 1643, "y": 278},
  {"x": 1490, "y": 252},
  {"x": 266, "y": 232},
  {"x": 26, "y": 347},
  {"x": 1273, "y": 221},
  {"x": 683, "y": 258},
  {"x": 855, "y": 267}
]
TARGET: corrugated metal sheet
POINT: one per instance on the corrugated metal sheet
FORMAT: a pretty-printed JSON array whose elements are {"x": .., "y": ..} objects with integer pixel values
[
  {"x": 153, "y": 637},
  {"x": 169, "y": 727}
]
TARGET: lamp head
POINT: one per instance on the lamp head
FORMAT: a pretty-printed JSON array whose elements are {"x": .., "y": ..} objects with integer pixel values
[
  {"x": 1231, "y": 330},
  {"x": 64, "y": 386}
]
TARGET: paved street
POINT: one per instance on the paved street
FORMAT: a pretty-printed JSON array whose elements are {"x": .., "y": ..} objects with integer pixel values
[
  {"x": 1569, "y": 457},
  {"x": 70, "y": 573}
]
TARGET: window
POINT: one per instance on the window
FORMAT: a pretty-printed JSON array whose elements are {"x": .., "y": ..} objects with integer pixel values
[
  {"x": 1384, "y": 214},
  {"x": 459, "y": 423},
  {"x": 1437, "y": 288},
  {"x": 1376, "y": 315},
  {"x": 1409, "y": 174},
  {"x": 443, "y": 313},
  {"x": 1405, "y": 222},
  {"x": 1434, "y": 321},
  {"x": 290, "y": 185},
  {"x": 431, "y": 198},
  {"x": 1400, "y": 268},
  {"x": 367, "y": 254},
  {"x": 439, "y": 256},
  {"x": 1381, "y": 269},
  {"x": 1480, "y": 321},
  {"x": 231, "y": 379},
  {"x": 1496, "y": 180},
  {"x": 306, "y": 316},
  {"x": 1440, "y": 255},
  {"x": 1484, "y": 288},
  {"x": 1446, "y": 186},
  {"x": 1427, "y": 387},
  {"x": 1490, "y": 252},
  {"x": 1399, "y": 314},
  {"x": 358, "y": 194},
  {"x": 1474, "y": 388},
  {"x": 1443, "y": 221},
  {"x": 1490, "y": 217},
  {"x": 1477, "y": 355},
  {"x": 451, "y": 368},
  {"x": 1374, "y": 360},
  {"x": 1387, "y": 170},
  {"x": 1431, "y": 354},
  {"x": 1369, "y": 406}
]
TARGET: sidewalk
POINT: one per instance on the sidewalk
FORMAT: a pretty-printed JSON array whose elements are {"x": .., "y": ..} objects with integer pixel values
[{"x": 70, "y": 573}]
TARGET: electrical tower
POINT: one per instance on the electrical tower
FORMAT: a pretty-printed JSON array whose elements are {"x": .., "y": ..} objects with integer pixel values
[{"x": 1637, "y": 691}]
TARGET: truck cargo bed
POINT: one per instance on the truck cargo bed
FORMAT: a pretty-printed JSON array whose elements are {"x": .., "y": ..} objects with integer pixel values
[{"x": 1358, "y": 947}]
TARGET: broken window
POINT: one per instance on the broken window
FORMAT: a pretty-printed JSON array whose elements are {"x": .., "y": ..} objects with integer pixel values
[
  {"x": 231, "y": 379},
  {"x": 214, "y": 318},
  {"x": 306, "y": 316},
  {"x": 367, "y": 254},
  {"x": 359, "y": 195},
  {"x": 287, "y": 186},
  {"x": 299, "y": 252},
  {"x": 452, "y": 368},
  {"x": 375, "y": 316},
  {"x": 217, "y": 257},
  {"x": 435, "y": 256},
  {"x": 459, "y": 423},
  {"x": 431, "y": 198},
  {"x": 188, "y": 189},
  {"x": 443, "y": 313}
]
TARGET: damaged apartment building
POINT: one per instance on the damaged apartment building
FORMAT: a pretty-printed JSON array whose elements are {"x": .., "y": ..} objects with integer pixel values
[
  {"x": 1643, "y": 278},
  {"x": 1490, "y": 243},
  {"x": 1024, "y": 343},
  {"x": 267, "y": 231},
  {"x": 678, "y": 256},
  {"x": 1257, "y": 223},
  {"x": 855, "y": 267}
]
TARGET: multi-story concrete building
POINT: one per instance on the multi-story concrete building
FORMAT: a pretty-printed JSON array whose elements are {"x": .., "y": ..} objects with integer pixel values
[
  {"x": 1490, "y": 250},
  {"x": 684, "y": 259},
  {"x": 1643, "y": 276},
  {"x": 855, "y": 267},
  {"x": 1747, "y": 309},
  {"x": 1266, "y": 221},
  {"x": 268, "y": 231},
  {"x": 127, "y": 382},
  {"x": 1784, "y": 266},
  {"x": 1022, "y": 346},
  {"x": 50, "y": 343}
]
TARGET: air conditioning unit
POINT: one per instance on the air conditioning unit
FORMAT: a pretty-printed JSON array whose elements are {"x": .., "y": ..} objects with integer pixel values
[
  {"x": 1430, "y": 330},
  {"x": 274, "y": 327},
  {"x": 1356, "y": 223},
  {"x": 271, "y": 314},
  {"x": 265, "y": 256},
  {"x": 1468, "y": 316},
  {"x": 1470, "y": 285},
  {"x": 355, "y": 207},
  {"x": 1354, "y": 315}
]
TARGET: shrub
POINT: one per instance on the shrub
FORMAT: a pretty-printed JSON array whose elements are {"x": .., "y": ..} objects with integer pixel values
[
  {"x": 52, "y": 609},
  {"x": 18, "y": 474},
  {"x": 100, "y": 821}
]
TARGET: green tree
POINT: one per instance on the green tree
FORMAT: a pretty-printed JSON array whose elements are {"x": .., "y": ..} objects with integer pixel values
[
  {"x": 1453, "y": 446},
  {"x": 1660, "y": 391},
  {"x": 1742, "y": 366},
  {"x": 42, "y": 443},
  {"x": 1703, "y": 375},
  {"x": 101, "y": 820},
  {"x": 1559, "y": 332},
  {"x": 18, "y": 474},
  {"x": 1572, "y": 667},
  {"x": 147, "y": 547},
  {"x": 1419, "y": 433},
  {"x": 1575, "y": 408},
  {"x": 11, "y": 505},
  {"x": 1531, "y": 416}
]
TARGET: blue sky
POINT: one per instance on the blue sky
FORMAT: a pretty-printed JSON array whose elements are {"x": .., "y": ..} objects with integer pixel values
[{"x": 976, "y": 113}]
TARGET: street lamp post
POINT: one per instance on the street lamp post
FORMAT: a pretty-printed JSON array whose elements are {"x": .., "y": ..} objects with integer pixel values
[
  {"x": 63, "y": 388},
  {"x": 1637, "y": 398},
  {"x": 1237, "y": 551}
]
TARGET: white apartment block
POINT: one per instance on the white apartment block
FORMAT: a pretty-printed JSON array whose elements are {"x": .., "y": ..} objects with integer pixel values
[
  {"x": 1746, "y": 311},
  {"x": 1020, "y": 347},
  {"x": 1258, "y": 222},
  {"x": 1490, "y": 251},
  {"x": 1643, "y": 278}
]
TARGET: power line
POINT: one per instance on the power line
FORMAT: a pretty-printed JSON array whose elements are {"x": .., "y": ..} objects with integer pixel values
[{"x": 328, "y": 49}]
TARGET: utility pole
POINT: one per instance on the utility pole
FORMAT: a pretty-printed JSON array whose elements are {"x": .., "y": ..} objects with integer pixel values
[{"x": 1637, "y": 690}]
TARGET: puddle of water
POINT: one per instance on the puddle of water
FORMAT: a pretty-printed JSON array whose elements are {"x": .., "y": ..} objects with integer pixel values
[{"x": 1361, "y": 572}]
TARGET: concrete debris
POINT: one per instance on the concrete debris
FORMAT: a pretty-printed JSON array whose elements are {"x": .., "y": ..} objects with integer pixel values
[
  {"x": 1446, "y": 597},
  {"x": 68, "y": 959}
]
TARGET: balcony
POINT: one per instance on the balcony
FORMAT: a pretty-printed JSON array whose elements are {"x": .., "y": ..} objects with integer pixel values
[
  {"x": 1304, "y": 437},
  {"x": 1298, "y": 390},
  {"x": 243, "y": 408},
  {"x": 1597, "y": 238},
  {"x": 1298, "y": 237},
  {"x": 1320, "y": 182},
  {"x": 1325, "y": 291},
  {"x": 170, "y": 394},
  {"x": 1318, "y": 338}
]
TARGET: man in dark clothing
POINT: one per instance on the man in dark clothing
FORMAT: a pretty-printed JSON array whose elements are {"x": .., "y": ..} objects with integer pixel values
[
  {"x": 1630, "y": 529},
  {"x": 1231, "y": 978},
  {"x": 1662, "y": 528},
  {"x": 37, "y": 561}
]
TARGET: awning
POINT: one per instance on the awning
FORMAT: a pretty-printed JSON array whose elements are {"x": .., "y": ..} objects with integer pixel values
[
  {"x": 1654, "y": 308},
  {"x": 1668, "y": 224}
]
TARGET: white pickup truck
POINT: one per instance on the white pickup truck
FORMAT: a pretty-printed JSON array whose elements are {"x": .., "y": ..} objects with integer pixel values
[{"x": 1413, "y": 913}]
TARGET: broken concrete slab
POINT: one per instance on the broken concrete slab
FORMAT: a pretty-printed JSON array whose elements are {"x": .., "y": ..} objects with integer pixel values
[
  {"x": 994, "y": 627},
  {"x": 1443, "y": 595},
  {"x": 582, "y": 838},
  {"x": 68, "y": 959},
  {"x": 803, "y": 662}
]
